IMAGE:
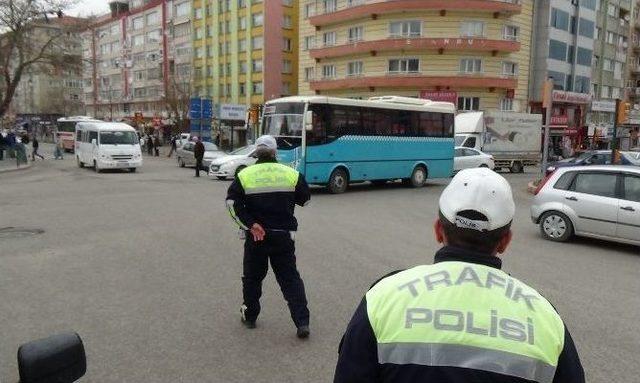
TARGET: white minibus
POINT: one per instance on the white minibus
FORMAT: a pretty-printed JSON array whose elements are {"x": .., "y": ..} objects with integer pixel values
[{"x": 107, "y": 145}]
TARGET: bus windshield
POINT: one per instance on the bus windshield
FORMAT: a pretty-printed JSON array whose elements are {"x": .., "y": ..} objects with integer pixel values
[
  {"x": 283, "y": 121},
  {"x": 118, "y": 138}
]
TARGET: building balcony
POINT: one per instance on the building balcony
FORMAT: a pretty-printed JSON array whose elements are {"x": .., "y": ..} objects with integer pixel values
[
  {"x": 373, "y": 9},
  {"x": 412, "y": 44},
  {"x": 414, "y": 81}
]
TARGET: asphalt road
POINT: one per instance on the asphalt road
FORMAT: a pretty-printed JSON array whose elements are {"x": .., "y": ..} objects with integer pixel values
[{"x": 146, "y": 267}]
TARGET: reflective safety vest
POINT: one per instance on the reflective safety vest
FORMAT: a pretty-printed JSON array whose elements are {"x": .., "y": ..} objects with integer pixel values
[
  {"x": 465, "y": 315},
  {"x": 268, "y": 177}
]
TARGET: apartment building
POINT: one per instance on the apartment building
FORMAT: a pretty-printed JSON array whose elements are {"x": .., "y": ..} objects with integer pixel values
[
  {"x": 474, "y": 53},
  {"x": 136, "y": 59},
  {"x": 245, "y": 51}
]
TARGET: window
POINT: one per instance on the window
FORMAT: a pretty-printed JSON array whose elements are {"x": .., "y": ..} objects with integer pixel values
[
  {"x": 287, "y": 45},
  {"x": 242, "y": 45},
  {"x": 138, "y": 75},
  {"x": 256, "y": 88},
  {"x": 557, "y": 50},
  {"x": 506, "y": 104},
  {"x": 137, "y": 40},
  {"x": 309, "y": 74},
  {"x": 243, "y": 66},
  {"x": 581, "y": 84},
  {"x": 137, "y": 23},
  {"x": 632, "y": 188},
  {"x": 328, "y": 71},
  {"x": 605, "y": 91},
  {"x": 404, "y": 65},
  {"x": 242, "y": 89},
  {"x": 509, "y": 68},
  {"x": 405, "y": 29},
  {"x": 309, "y": 42},
  {"x": 591, "y": 4},
  {"x": 559, "y": 19},
  {"x": 288, "y": 3},
  {"x": 242, "y": 3},
  {"x": 601, "y": 184},
  {"x": 309, "y": 10},
  {"x": 286, "y": 88},
  {"x": 612, "y": 10},
  {"x": 257, "y": 19},
  {"x": 570, "y": 53},
  {"x": 329, "y": 38},
  {"x": 608, "y": 65},
  {"x": 183, "y": 9},
  {"x": 198, "y": 14},
  {"x": 598, "y": 33},
  {"x": 354, "y": 68},
  {"x": 470, "y": 65},
  {"x": 356, "y": 34},
  {"x": 242, "y": 23},
  {"x": 152, "y": 18},
  {"x": 585, "y": 56},
  {"x": 468, "y": 103},
  {"x": 615, "y": 92},
  {"x": 510, "y": 32},
  {"x": 330, "y": 5},
  {"x": 586, "y": 28},
  {"x": 256, "y": 65},
  {"x": 287, "y": 22},
  {"x": 256, "y": 42},
  {"x": 472, "y": 28},
  {"x": 198, "y": 33},
  {"x": 287, "y": 66},
  {"x": 611, "y": 37}
]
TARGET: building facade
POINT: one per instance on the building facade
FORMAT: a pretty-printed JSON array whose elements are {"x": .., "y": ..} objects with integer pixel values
[
  {"x": 474, "y": 53},
  {"x": 245, "y": 51},
  {"x": 138, "y": 62}
]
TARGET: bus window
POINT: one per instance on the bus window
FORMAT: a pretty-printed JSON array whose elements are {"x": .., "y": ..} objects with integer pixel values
[
  {"x": 448, "y": 125},
  {"x": 79, "y": 136}
]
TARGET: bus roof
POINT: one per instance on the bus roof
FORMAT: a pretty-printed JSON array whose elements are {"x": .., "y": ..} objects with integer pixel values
[
  {"x": 105, "y": 126},
  {"x": 76, "y": 119},
  {"x": 389, "y": 102}
]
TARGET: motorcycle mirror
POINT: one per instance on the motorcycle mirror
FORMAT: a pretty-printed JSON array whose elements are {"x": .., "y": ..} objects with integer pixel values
[{"x": 59, "y": 358}]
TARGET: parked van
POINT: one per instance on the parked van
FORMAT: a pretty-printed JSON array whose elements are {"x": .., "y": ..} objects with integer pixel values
[{"x": 107, "y": 145}]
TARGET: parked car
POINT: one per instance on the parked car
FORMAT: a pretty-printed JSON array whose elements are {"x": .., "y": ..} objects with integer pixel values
[
  {"x": 229, "y": 165},
  {"x": 465, "y": 158},
  {"x": 593, "y": 201},
  {"x": 595, "y": 157},
  {"x": 186, "y": 158},
  {"x": 630, "y": 158}
]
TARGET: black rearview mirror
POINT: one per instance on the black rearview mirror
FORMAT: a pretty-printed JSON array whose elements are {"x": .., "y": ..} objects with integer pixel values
[{"x": 58, "y": 358}]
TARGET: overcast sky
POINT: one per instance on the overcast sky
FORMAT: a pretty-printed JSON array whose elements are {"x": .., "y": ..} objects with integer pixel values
[{"x": 89, "y": 7}]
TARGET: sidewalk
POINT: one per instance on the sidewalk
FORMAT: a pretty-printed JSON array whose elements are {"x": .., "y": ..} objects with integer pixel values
[{"x": 9, "y": 164}]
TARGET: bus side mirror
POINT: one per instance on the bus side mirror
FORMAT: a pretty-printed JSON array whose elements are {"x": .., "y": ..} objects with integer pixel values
[
  {"x": 58, "y": 358},
  {"x": 308, "y": 121}
]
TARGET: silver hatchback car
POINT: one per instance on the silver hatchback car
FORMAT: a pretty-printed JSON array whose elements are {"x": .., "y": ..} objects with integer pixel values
[{"x": 592, "y": 201}]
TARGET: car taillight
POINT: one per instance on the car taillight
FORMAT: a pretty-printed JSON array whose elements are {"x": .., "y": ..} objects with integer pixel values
[{"x": 543, "y": 182}]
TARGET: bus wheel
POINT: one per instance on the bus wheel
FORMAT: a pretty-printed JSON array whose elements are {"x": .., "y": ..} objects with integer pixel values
[
  {"x": 338, "y": 181},
  {"x": 80, "y": 163},
  {"x": 418, "y": 177}
]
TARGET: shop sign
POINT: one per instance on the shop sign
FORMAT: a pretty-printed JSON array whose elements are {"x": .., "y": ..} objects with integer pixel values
[
  {"x": 559, "y": 120},
  {"x": 571, "y": 131},
  {"x": 234, "y": 112},
  {"x": 570, "y": 97},
  {"x": 440, "y": 95},
  {"x": 603, "y": 106}
]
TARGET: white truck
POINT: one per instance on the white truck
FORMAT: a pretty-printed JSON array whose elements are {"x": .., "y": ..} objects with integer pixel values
[{"x": 513, "y": 139}]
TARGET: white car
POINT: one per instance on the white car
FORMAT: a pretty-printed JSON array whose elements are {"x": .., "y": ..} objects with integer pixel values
[
  {"x": 466, "y": 158},
  {"x": 229, "y": 165}
]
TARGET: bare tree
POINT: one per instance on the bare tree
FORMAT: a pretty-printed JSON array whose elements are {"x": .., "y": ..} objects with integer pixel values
[
  {"x": 177, "y": 99},
  {"x": 28, "y": 44}
]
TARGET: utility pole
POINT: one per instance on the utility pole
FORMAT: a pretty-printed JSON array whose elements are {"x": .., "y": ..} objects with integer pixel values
[{"x": 547, "y": 94}]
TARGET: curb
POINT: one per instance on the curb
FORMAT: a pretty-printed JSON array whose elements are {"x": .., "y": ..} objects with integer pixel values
[{"x": 8, "y": 170}]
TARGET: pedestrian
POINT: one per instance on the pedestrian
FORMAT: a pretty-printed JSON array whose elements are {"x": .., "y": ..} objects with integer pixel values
[
  {"x": 35, "y": 145},
  {"x": 198, "y": 153},
  {"x": 261, "y": 200},
  {"x": 58, "y": 150},
  {"x": 156, "y": 145},
  {"x": 10, "y": 141},
  {"x": 3, "y": 145},
  {"x": 149, "y": 142},
  {"x": 174, "y": 145},
  {"x": 461, "y": 319}
]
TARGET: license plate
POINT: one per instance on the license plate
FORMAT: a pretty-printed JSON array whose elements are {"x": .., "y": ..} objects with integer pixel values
[{"x": 123, "y": 164}]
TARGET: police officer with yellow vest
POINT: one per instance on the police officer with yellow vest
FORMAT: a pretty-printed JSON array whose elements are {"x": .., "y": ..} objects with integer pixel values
[
  {"x": 261, "y": 200},
  {"x": 461, "y": 319}
]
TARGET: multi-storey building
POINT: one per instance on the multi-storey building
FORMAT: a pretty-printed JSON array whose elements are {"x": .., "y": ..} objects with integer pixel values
[
  {"x": 245, "y": 51},
  {"x": 47, "y": 92},
  {"x": 475, "y": 53},
  {"x": 137, "y": 58},
  {"x": 564, "y": 35}
]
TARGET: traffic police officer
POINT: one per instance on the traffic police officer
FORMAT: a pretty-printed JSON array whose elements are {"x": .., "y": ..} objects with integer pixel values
[
  {"x": 261, "y": 200},
  {"x": 461, "y": 319}
]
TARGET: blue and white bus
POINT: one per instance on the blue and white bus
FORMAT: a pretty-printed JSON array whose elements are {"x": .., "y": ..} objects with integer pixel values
[{"x": 335, "y": 141}]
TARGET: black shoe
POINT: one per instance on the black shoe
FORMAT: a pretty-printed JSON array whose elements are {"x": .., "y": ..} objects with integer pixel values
[
  {"x": 248, "y": 324},
  {"x": 303, "y": 332}
]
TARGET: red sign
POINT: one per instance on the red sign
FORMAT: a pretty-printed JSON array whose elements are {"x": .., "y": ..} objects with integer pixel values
[
  {"x": 440, "y": 95},
  {"x": 571, "y": 97},
  {"x": 559, "y": 120}
]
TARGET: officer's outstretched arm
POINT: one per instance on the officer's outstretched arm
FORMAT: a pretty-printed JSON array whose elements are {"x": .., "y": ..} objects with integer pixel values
[
  {"x": 569, "y": 369},
  {"x": 303, "y": 194},
  {"x": 358, "y": 352},
  {"x": 236, "y": 205}
]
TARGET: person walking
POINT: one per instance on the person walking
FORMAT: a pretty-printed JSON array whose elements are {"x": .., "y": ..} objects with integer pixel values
[
  {"x": 174, "y": 145},
  {"x": 461, "y": 319},
  {"x": 58, "y": 150},
  {"x": 198, "y": 153},
  {"x": 35, "y": 145},
  {"x": 262, "y": 200},
  {"x": 3, "y": 145},
  {"x": 149, "y": 142},
  {"x": 156, "y": 145}
]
